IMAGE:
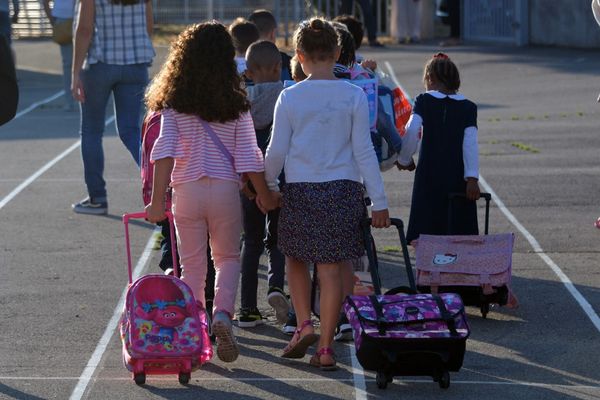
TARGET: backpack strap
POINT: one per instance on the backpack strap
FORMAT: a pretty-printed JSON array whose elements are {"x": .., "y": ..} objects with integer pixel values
[{"x": 211, "y": 133}]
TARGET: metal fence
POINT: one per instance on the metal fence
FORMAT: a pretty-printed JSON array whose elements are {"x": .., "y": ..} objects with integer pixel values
[
  {"x": 504, "y": 21},
  {"x": 33, "y": 21}
]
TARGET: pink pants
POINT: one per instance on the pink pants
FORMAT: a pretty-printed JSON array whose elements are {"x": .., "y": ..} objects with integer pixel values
[{"x": 209, "y": 207}]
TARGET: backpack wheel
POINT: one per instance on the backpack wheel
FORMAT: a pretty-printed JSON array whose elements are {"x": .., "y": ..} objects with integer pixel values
[
  {"x": 184, "y": 378},
  {"x": 444, "y": 380},
  {"x": 381, "y": 380},
  {"x": 140, "y": 378}
]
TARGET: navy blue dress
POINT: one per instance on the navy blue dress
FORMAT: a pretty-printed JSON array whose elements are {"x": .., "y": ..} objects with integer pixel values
[{"x": 440, "y": 169}]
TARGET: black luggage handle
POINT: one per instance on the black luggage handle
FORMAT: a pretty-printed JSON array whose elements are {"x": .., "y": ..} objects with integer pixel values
[
  {"x": 374, "y": 266},
  {"x": 486, "y": 196}
]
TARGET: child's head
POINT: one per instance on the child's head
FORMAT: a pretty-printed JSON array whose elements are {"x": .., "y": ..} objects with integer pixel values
[
  {"x": 297, "y": 71},
  {"x": 244, "y": 33},
  {"x": 347, "y": 54},
  {"x": 266, "y": 24},
  {"x": 200, "y": 76},
  {"x": 440, "y": 73},
  {"x": 316, "y": 40},
  {"x": 354, "y": 26},
  {"x": 263, "y": 62}
]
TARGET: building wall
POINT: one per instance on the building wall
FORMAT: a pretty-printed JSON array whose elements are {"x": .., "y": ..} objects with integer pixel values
[{"x": 568, "y": 23}]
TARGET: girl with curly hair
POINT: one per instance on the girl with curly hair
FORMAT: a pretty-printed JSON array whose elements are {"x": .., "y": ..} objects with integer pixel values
[
  {"x": 207, "y": 138},
  {"x": 321, "y": 133}
]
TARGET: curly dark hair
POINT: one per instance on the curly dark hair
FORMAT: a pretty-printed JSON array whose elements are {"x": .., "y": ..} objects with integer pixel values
[{"x": 200, "y": 76}]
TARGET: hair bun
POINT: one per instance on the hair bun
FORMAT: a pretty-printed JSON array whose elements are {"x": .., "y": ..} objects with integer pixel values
[{"x": 317, "y": 23}]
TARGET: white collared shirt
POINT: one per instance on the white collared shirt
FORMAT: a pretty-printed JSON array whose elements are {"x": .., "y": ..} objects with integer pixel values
[{"x": 410, "y": 141}]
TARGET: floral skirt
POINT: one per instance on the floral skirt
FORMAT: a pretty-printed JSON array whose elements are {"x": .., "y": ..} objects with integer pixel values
[{"x": 320, "y": 222}]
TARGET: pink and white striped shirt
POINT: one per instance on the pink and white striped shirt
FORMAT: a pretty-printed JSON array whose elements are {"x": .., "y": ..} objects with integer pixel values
[{"x": 196, "y": 155}]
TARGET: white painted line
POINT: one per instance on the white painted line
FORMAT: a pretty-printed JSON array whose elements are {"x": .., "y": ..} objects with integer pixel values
[
  {"x": 583, "y": 303},
  {"x": 395, "y": 79},
  {"x": 397, "y": 380},
  {"x": 358, "y": 376},
  {"x": 96, "y": 357},
  {"x": 40, "y": 171},
  {"x": 39, "y": 103}
]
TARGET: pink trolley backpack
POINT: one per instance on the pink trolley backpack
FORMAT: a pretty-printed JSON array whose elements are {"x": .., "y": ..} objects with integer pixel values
[
  {"x": 478, "y": 267},
  {"x": 163, "y": 330},
  {"x": 405, "y": 333}
]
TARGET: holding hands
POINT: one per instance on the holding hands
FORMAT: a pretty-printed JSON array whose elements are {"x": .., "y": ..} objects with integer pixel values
[{"x": 409, "y": 167}]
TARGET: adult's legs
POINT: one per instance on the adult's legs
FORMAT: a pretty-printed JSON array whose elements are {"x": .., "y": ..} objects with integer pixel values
[
  {"x": 252, "y": 248},
  {"x": 97, "y": 85},
  {"x": 370, "y": 20},
  {"x": 399, "y": 19},
  {"x": 454, "y": 18},
  {"x": 128, "y": 94},
  {"x": 66, "y": 55}
]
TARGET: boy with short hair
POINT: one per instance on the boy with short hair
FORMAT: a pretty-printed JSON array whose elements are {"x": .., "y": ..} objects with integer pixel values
[
  {"x": 243, "y": 33},
  {"x": 267, "y": 27},
  {"x": 263, "y": 63}
]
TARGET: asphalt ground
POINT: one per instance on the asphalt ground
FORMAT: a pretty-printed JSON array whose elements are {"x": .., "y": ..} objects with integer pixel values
[{"x": 62, "y": 275}]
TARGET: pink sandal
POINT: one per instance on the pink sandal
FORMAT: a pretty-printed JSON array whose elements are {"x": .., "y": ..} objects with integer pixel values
[
  {"x": 315, "y": 360},
  {"x": 297, "y": 347}
]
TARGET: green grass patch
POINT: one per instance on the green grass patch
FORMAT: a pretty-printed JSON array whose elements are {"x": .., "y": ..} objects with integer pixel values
[
  {"x": 524, "y": 147},
  {"x": 391, "y": 249},
  {"x": 515, "y": 118}
]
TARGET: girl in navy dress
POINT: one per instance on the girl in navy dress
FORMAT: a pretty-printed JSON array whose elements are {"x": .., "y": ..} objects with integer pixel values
[{"x": 448, "y": 161}]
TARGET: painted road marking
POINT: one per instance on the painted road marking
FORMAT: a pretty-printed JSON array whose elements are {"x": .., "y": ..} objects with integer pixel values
[
  {"x": 96, "y": 357},
  {"x": 40, "y": 171},
  {"x": 39, "y": 103}
]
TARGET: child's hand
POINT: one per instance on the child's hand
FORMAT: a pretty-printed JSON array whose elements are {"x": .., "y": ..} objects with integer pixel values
[
  {"x": 409, "y": 167},
  {"x": 248, "y": 192},
  {"x": 380, "y": 219},
  {"x": 473, "y": 191},
  {"x": 155, "y": 213},
  {"x": 370, "y": 64},
  {"x": 268, "y": 201}
]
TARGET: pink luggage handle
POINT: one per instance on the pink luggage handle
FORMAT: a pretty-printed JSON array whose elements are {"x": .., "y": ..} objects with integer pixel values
[{"x": 142, "y": 215}]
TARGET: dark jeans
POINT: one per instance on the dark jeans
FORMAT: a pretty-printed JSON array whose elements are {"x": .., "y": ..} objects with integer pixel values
[
  {"x": 167, "y": 262},
  {"x": 255, "y": 240},
  {"x": 367, "y": 10},
  {"x": 454, "y": 18}
]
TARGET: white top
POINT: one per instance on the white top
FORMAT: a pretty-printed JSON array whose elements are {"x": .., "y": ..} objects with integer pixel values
[
  {"x": 410, "y": 140},
  {"x": 241, "y": 64},
  {"x": 63, "y": 9},
  {"x": 321, "y": 133}
]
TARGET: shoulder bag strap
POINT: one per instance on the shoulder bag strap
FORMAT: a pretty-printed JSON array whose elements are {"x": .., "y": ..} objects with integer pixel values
[{"x": 211, "y": 133}]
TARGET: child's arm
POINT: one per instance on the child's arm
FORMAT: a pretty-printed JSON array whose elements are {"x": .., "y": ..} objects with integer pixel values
[
  {"x": 155, "y": 211},
  {"x": 279, "y": 144},
  {"x": 471, "y": 162},
  {"x": 365, "y": 158}
]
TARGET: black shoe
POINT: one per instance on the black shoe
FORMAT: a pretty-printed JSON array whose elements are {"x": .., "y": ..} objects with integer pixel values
[
  {"x": 343, "y": 331},
  {"x": 290, "y": 326},
  {"x": 249, "y": 317},
  {"x": 375, "y": 43}
]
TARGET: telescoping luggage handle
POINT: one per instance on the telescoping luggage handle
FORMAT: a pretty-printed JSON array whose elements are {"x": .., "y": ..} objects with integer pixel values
[
  {"x": 486, "y": 196},
  {"x": 371, "y": 254},
  {"x": 142, "y": 215}
]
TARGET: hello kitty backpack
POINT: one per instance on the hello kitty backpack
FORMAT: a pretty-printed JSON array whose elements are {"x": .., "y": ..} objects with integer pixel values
[{"x": 163, "y": 329}]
